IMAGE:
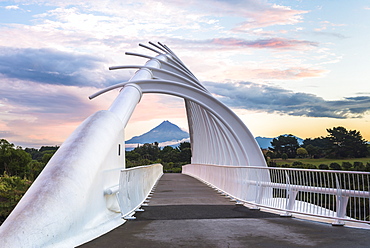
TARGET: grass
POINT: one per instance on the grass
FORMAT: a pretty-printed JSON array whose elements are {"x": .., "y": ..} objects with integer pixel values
[{"x": 319, "y": 161}]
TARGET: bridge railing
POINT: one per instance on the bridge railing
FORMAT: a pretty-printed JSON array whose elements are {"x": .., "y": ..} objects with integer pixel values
[
  {"x": 135, "y": 186},
  {"x": 337, "y": 195}
]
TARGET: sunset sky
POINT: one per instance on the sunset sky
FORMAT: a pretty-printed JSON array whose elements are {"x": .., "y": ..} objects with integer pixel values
[{"x": 285, "y": 67}]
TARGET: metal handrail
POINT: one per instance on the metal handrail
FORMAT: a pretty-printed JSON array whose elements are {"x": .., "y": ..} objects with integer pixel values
[{"x": 339, "y": 195}]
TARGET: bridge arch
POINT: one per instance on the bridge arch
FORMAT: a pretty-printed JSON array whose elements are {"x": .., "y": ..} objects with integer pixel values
[
  {"x": 54, "y": 212},
  {"x": 233, "y": 143}
]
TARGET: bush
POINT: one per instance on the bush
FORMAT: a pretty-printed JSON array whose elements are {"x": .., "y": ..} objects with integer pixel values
[
  {"x": 358, "y": 166},
  {"x": 272, "y": 163},
  {"x": 367, "y": 168},
  {"x": 323, "y": 167},
  {"x": 309, "y": 166},
  {"x": 335, "y": 166},
  {"x": 297, "y": 163},
  {"x": 12, "y": 189},
  {"x": 346, "y": 165}
]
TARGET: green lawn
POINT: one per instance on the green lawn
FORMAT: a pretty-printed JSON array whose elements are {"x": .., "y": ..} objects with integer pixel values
[{"x": 319, "y": 161}]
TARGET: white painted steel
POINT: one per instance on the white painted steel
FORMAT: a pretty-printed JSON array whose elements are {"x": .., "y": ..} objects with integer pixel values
[
  {"x": 339, "y": 195},
  {"x": 70, "y": 202},
  {"x": 217, "y": 135},
  {"x": 74, "y": 198},
  {"x": 66, "y": 205},
  {"x": 135, "y": 186},
  {"x": 239, "y": 138}
]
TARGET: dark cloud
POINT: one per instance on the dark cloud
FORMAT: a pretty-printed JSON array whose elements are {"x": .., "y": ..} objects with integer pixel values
[
  {"x": 7, "y": 134},
  {"x": 272, "y": 99},
  {"x": 234, "y": 43},
  {"x": 44, "y": 101},
  {"x": 276, "y": 43},
  {"x": 51, "y": 66},
  {"x": 331, "y": 34}
]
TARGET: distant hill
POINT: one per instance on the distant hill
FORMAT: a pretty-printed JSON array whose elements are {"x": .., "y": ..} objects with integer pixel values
[
  {"x": 265, "y": 142},
  {"x": 170, "y": 134},
  {"x": 165, "y": 133}
]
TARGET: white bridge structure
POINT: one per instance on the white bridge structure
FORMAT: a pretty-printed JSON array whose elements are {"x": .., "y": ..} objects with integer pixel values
[{"x": 85, "y": 189}]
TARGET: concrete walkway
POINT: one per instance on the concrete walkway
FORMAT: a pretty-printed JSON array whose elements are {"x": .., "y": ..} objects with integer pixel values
[{"x": 184, "y": 212}]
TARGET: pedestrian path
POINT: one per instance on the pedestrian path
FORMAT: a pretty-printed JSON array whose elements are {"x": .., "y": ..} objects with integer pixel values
[{"x": 184, "y": 212}]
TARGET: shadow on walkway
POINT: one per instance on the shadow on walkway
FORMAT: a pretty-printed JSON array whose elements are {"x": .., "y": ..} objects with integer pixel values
[{"x": 184, "y": 212}]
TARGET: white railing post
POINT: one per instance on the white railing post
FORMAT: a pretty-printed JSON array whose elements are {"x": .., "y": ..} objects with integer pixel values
[
  {"x": 291, "y": 195},
  {"x": 341, "y": 204},
  {"x": 279, "y": 193},
  {"x": 341, "y": 209}
]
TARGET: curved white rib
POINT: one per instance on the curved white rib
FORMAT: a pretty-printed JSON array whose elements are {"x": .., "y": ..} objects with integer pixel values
[{"x": 54, "y": 213}]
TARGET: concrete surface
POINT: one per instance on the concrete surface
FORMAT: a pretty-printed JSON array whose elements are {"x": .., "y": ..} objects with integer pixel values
[{"x": 183, "y": 212}]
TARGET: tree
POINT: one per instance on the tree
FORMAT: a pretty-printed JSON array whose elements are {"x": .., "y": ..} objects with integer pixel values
[
  {"x": 13, "y": 161},
  {"x": 169, "y": 154},
  {"x": 301, "y": 152},
  {"x": 285, "y": 144},
  {"x": 270, "y": 154},
  {"x": 346, "y": 143},
  {"x": 33, "y": 169},
  {"x": 284, "y": 156},
  {"x": 148, "y": 151},
  {"x": 317, "y": 147},
  {"x": 185, "y": 152}
]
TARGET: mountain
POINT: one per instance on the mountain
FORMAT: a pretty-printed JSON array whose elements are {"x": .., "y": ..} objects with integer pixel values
[
  {"x": 265, "y": 142},
  {"x": 166, "y": 132}
]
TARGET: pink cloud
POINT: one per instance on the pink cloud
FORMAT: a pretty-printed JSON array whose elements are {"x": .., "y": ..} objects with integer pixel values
[
  {"x": 261, "y": 73},
  {"x": 155, "y": 106},
  {"x": 290, "y": 73},
  {"x": 270, "y": 16},
  {"x": 33, "y": 114},
  {"x": 275, "y": 43}
]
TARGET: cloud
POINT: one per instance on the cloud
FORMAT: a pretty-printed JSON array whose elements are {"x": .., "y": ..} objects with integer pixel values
[
  {"x": 294, "y": 73},
  {"x": 237, "y": 43},
  {"x": 24, "y": 99},
  {"x": 270, "y": 99},
  {"x": 330, "y": 34},
  {"x": 11, "y": 7},
  {"x": 6, "y": 134},
  {"x": 50, "y": 66},
  {"x": 275, "y": 43},
  {"x": 32, "y": 113},
  {"x": 270, "y": 15}
]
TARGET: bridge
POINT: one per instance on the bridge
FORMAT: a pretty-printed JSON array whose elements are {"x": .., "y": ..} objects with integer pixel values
[
  {"x": 184, "y": 212},
  {"x": 85, "y": 190}
]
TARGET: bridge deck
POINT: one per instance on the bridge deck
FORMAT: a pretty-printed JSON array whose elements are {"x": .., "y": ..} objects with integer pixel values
[{"x": 183, "y": 212}]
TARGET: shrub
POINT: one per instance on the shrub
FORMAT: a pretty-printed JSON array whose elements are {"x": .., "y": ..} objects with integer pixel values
[
  {"x": 272, "y": 163},
  {"x": 367, "y": 168},
  {"x": 297, "y": 163},
  {"x": 323, "y": 167},
  {"x": 346, "y": 165},
  {"x": 358, "y": 166},
  {"x": 309, "y": 166},
  {"x": 335, "y": 166}
]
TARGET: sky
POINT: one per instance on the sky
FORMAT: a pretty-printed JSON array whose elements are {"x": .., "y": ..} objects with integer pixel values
[{"x": 284, "y": 67}]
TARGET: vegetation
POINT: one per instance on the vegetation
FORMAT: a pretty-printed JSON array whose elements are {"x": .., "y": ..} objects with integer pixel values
[
  {"x": 19, "y": 168},
  {"x": 171, "y": 158},
  {"x": 339, "y": 150},
  {"x": 285, "y": 144}
]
